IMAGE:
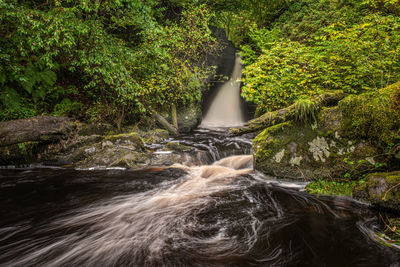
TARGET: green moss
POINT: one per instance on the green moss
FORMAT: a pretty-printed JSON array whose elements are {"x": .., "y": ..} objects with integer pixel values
[
  {"x": 337, "y": 188},
  {"x": 131, "y": 137},
  {"x": 265, "y": 144},
  {"x": 178, "y": 147},
  {"x": 381, "y": 189},
  {"x": 127, "y": 160},
  {"x": 161, "y": 133},
  {"x": 393, "y": 231},
  {"x": 373, "y": 116}
]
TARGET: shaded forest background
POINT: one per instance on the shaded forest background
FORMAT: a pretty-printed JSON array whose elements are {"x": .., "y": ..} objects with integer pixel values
[{"x": 121, "y": 60}]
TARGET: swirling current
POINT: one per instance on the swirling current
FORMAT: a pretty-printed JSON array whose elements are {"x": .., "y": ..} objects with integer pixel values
[{"x": 222, "y": 213}]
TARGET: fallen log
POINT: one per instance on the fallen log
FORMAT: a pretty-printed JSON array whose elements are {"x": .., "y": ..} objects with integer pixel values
[
  {"x": 41, "y": 128},
  {"x": 163, "y": 122},
  {"x": 278, "y": 116}
]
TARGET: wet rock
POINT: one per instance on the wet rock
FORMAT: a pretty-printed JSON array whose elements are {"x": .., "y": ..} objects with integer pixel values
[
  {"x": 131, "y": 139},
  {"x": 294, "y": 150},
  {"x": 154, "y": 136},
  {"x": 380, "y": 189},
  {"x": 122, "y": 150},
  {"x": 189, "y": 117},
  {"x": 176, "y": 146}
]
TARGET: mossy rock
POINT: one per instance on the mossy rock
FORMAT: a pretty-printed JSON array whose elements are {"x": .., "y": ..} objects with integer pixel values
[
  {"x": 188, "y": 116},
  {"x": 154, "y": 136},
  {"x": 329, "y": 119},
  {"x": 294, "y": 150},
  {"x": 127, "y": 139},
  {"x": 130, "y": 160},
  {"x": 176, "y": 146},
  {"x": 380, "y": 189},
  {"x": 278, "y": 152},
  {"x": 373, "y": 116}
]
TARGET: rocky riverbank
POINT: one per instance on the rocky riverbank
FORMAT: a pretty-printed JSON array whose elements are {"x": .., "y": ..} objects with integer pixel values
[
  {"x": 82, "y": 145},
  {"x": 349, "y": 138}
]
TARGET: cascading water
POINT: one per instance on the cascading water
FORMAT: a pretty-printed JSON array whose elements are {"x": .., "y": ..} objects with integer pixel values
[{"x": 225, "y": 110}]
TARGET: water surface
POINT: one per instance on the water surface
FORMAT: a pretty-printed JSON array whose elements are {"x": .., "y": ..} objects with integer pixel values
[{"x": 218, "y": 214}]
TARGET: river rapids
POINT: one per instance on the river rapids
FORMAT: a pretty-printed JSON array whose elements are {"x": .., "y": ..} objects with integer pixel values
[{"x": 218, "y": 214}]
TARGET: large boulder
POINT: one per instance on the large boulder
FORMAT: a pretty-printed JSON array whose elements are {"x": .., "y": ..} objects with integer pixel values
[
  {"x": 122, "y": 150},
  {"x": 356, "y": 137},
  {"x": 380, "y": 189},
  {"x": 298, "y": 151},
  {"x": 189, "y": 117}
]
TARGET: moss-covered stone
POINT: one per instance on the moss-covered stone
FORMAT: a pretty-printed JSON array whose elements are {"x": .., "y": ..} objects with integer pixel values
[
  {"x": 380, "y": 189},
  {"x": 295, "y": 150},
  {"x": 189, "y": 116},
  {"x": 329, "y": 120},
  {"x": 373, "y": 116},
  {"x": 130, "y": 139},
  {"x": 279, "y": 150},
  {"x": 154, "y": 136},
  {"x": 176, "y": 146}
]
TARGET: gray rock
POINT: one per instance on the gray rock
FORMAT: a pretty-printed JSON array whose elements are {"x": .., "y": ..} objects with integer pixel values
[
  {"x": 380, "y": 189},
  {"x": 295, "y": 150}
]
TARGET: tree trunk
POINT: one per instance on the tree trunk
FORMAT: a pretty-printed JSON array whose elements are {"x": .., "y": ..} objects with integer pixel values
[
  {"x": 41, "y": 128},
  {"x": 174, "y": 117},
  {"x": 278, "y": 116},
  {"x": 163, "y": 122}
]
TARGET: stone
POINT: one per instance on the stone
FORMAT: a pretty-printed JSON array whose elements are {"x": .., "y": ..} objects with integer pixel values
[
  {"x": 132, "y": 139},
  {"x": 381, "y": 189},
  {"x": 176, "y": 146},
  {"x": 294, "y": 150}
]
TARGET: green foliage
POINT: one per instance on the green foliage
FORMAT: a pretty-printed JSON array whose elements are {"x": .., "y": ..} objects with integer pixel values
[
  {"x": 121, "y": 54},
  {"x": 240, "y": 18},
  {"x": 67, "y": 107},
  {"x": 318, "y": 45},
  {"x": 337, "y": 188},
  {"x": 390, "y": 6},
  {"x": 281, "y": 74}
]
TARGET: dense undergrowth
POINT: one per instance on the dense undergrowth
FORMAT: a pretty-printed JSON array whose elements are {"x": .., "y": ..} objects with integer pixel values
[
  {"x": 312, "y": 46},
  {"x": 112, "y": 60},
  {"x": 118, "y": 60}
]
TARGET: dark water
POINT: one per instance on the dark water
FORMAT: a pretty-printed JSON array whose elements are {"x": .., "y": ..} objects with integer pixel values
[{"x": 217, "y": 215}]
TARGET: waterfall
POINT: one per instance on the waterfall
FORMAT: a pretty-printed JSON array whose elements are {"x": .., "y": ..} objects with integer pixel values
[{"x": 225, "y": 109}]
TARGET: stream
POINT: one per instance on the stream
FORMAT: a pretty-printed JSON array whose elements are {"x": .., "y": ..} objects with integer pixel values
[{"x": 220, "y": 213}]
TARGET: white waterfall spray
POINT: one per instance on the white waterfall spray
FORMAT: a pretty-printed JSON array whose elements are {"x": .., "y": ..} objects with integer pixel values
[{"x": 225, "y": 109}]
